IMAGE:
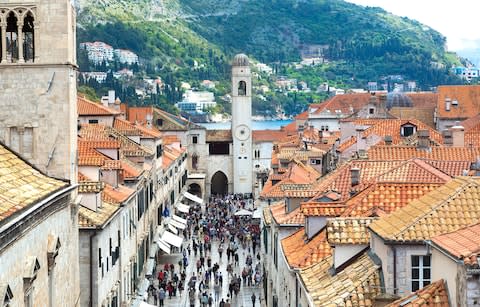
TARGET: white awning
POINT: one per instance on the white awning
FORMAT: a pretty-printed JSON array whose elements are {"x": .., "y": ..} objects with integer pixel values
[
  {"x": 257, "y": 214},
  {"x": 172, "y": 239},
  {"x": 179, "y": 219},
  {"x": 164, "y": 246},
  {"x": 183, "y": 208},
  {"x": 172, "y": 228},
  {"x": 193, "y": 197},
  {"x": 177, "y": 224}
]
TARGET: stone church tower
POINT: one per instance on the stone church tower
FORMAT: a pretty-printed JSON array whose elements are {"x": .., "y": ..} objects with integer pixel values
[
  {"x": 38, "y": 108},
  {"x": 241, "y": 125}
]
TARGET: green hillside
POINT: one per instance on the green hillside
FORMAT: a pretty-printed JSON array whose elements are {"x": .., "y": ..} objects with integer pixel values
[{"x": 192, "y": 40}]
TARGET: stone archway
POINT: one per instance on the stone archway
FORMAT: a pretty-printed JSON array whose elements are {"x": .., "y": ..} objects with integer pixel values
[
  {"x": 195, "y": 189},
  {"x": 219, "y": 184}
]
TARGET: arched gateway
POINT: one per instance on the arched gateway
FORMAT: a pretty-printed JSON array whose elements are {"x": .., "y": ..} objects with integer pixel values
[
  {"x": 195, "y": 189},
  {"x": 219, "y": 184}
]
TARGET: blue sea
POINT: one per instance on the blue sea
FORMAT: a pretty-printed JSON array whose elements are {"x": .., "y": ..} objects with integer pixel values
[{"x": 256, "y": 125}]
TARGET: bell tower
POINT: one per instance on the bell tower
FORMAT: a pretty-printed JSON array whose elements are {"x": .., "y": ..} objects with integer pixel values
[
  {"x": 241, "y": 125},
  {"x": 38, "y": 117}
]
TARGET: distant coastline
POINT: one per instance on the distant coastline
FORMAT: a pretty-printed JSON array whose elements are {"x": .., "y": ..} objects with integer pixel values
[{"x": 256, "y": 124}]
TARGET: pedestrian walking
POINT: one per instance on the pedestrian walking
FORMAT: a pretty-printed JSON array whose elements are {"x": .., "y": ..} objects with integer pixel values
[
  {"x": 161, "y": 296},
  {"x": 253, "y": 299}
]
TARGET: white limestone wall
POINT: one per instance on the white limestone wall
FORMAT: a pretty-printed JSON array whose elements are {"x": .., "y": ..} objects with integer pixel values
[
  {"x": 105, "y": 120},
  {"x": 445, "y": 268},
  {"x": 64, "y": 286}
]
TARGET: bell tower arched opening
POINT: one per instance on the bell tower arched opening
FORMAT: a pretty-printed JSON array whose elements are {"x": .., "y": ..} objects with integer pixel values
[{"x": 242, "y": 88}]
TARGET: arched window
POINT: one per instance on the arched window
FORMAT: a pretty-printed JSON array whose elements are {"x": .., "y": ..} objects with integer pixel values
[
  {"x": 12, "y": 38},
  {"x": 28, "y": 41},
  {"x": 242, "y": 88},
  {"x": 194, "y": 161}
]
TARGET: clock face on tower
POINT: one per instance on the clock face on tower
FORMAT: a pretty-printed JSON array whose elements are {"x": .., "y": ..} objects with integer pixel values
[{"x": 242, "y": 132}]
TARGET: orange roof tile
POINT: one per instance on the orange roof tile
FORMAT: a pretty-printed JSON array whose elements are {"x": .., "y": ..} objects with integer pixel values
[
  {"x": 450, "y": 207},
  {"x": 268, "y": 135},
  {"x": 382, "y": 152},
  {"x": 350, "y": 230},
  {"x": 356, "y": 285},
  {"x": 463, "y": 244},
  {"x": 471, "y": 124},
  {"x": 384, "y": 198},
  {"x": 22, "y": 185},
  {"x": 435, "y": 294},
  {"x": 282, "y": 217},
  {"x": 125, "y": 127},
  {"x": 87, "y": 107},
  {"x": 117, "y": 194},
  {"x": 301, "y": 253},
  {"x": 347, "y": 104},
  {"x": 137, "y": 114},
  {"x": 467, "y": 97}
]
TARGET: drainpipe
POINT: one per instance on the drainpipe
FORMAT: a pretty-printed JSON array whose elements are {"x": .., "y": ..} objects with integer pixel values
[
  {"x": 394, "y": 270},
  {"x": 91, "y": 267}
]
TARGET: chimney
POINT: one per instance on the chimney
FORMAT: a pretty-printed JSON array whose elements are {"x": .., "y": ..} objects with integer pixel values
[
  {"x": 447, "y": 137},
  {"x": 388, "y": 140},
  {"x": 104, "y": 101},
  {"x": 149, "y": 118},
  {"x": 355, "y": 175},
  {"x": 423, "y": 139},
  {"x": 448, "y": 103},
  {"x": 458, "y": 135},
  {"x": 111, "y": 97},
  {"x": 382, "y": 101}
]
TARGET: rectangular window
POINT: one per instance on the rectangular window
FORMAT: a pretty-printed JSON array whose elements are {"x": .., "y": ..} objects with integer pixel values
[
  {"x": 159, "y": 151},
  {"x": 99, "y": 257},
  {"x": 93, "y": 121},
  {"x": 195, "y": 139},
  {"x": 421, "y": 272},
  {"x": 159, "y": 122}
]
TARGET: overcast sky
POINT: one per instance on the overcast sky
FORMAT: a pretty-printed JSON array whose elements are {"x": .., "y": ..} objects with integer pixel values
[{"x": 455, "y": 19}]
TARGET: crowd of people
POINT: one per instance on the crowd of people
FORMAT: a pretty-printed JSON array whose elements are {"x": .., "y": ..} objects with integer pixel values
[{"x": 214, "y": 228}]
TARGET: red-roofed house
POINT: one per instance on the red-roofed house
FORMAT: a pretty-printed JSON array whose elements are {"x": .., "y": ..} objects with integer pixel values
[
  {"x": 455, "y": 258},
  {"x": 456, "y": 103}
]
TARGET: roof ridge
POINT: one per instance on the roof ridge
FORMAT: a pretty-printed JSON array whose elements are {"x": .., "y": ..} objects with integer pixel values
[{"x": 440, "y": 203}]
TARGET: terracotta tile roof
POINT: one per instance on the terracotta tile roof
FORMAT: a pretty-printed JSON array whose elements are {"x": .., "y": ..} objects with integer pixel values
[
  {"x": 88, "y": 218},
  {"x": 452, "y": 168},
  {"x": 414, "y": 170},
  {"x": 463, "y": 244},
  {"x": 435, "y": 294},
  {"x": 170, "y": 139},
  {"x": 350, "y": 230},
  {"x": 303, "y": 115},
  {"x": 268, "y": 135},
  {"x": 292, "y": 127},
  {"x": 301, "y": 155},
  {"x": 87, "y": 107},
  {"x": 340, "y": 179},
  {"x": 471, "y": 124},
  {"x": 81, "y": 177},
  {"x": 382, "y": 186},
  {"x": 312, "y": 208},
  {"x": 148, "y": 132},
  {"x": 392, "y": 127},
  {"x": 137, "y": 114},
  {"x": 22, "y": 185},
  {"x": 172, "y": 122},
  {"x": 130, "y": 170},
  {"x": 125, "y": 127},
  {"x": 116, "y": 195},
  {"x": 348, "y": 104},
  {"x": 219, "y": 136},
  {"x": 347, "y": 144},
  {"x": 467, "y": 96},
  {"x": 446, "y": 209},
  {"x": 301, "y": 253},
  {"x": 382, "y": 152},
  {"x": 282, "y": 217},
  {"x": 383, "y": 198},
  {"x": 356, "y": 285}
]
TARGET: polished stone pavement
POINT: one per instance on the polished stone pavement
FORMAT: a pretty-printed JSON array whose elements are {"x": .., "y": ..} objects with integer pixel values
[{"x": 182, "y": 300}]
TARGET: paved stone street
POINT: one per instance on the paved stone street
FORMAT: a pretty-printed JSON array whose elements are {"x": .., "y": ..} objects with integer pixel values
[{"x": 182, "y": 299}]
